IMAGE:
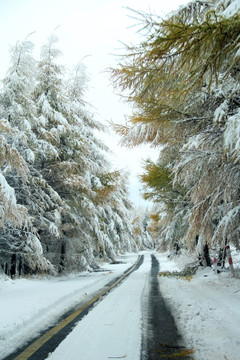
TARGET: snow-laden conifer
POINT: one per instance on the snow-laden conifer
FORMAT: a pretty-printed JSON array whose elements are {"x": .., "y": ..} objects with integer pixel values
[
  {"x": 184, "y": 82},
  {"x": 61, "y": 205},
  {"x": 19, "y": 147}
]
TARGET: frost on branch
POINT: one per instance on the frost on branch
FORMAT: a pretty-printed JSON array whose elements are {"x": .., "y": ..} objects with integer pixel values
[
  {"x": 232, "y": 136},
  {"x": 10, "y": 211}
]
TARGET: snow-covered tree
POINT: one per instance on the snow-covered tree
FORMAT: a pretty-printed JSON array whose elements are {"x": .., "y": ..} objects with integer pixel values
[
  {"x": 76, "y": 168},
  {"x": 19, "y": 236},
  {"x": 61, "y": 205},
  {"x": 184, "y": 82}
]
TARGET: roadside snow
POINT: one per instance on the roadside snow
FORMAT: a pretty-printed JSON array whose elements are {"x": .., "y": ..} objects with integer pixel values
[{"x": 206, "y": 310}]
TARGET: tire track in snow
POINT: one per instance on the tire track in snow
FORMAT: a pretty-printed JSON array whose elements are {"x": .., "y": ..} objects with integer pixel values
[{"x": 160, "y": 338}]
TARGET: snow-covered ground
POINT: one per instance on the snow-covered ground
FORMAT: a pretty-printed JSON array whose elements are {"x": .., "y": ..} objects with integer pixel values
[{"x": 206, "y": 310}]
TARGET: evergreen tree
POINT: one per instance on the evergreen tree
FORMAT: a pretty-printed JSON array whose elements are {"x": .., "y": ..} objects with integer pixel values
[
  {"x": 76, "y": 168},
  {"x": 184, "y": 82},
  {"x": 61, "y": 206},
  {"x": 22, "y": 249}
]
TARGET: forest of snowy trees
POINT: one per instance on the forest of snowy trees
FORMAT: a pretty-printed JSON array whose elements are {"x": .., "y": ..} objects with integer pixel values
[
  {"x": 61, "y": 205},
  {"x": 183, "y": 81}
]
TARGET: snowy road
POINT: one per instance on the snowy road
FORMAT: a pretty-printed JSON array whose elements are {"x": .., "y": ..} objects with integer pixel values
[
  {"x": 112, "y": 330},
  {"x": 32, "y": 306},
  {"x": 123, "y": 324},
  {"x": 206, "y": 309}
]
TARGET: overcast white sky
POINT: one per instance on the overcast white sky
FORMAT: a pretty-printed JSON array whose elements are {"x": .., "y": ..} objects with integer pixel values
[{"x": 86, "y": 27}]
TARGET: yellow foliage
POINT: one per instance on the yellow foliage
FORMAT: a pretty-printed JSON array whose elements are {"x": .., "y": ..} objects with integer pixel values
[
  {"x": 164, "y": 72},
  {"x": 5, "y": 126},
  {"x": 12, "y": 157},
  {"x": 109, "y": 178},
  {"x": 176, "y": 275},
  {"x": 156, "y": 177},
  {"x": 154, "y": 217},
  {"x": 103, "y": 193},
  {"x": 177, "y": 355},
  {"x": 163, "y": 273},
  {"x": 137, "y": 230},
  {"x": 135, "y": 220}
]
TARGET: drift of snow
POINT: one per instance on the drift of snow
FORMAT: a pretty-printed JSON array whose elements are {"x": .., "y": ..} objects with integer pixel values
[{"x": 206, "y": 311}]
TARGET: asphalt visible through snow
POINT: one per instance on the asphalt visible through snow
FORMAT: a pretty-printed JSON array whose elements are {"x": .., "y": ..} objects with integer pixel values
[
  {"x": 160, "y": 337},
  {"x": 48, "y": 341}
]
